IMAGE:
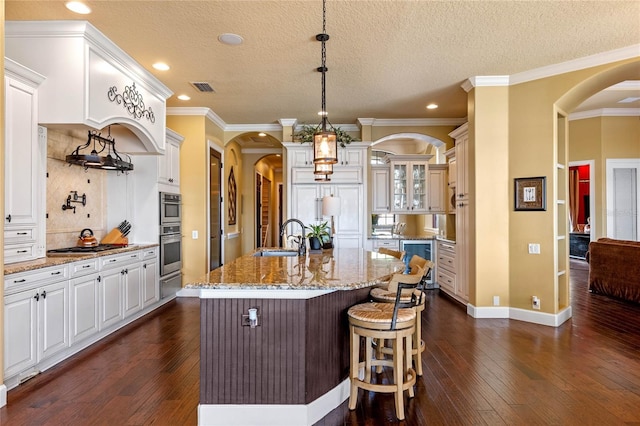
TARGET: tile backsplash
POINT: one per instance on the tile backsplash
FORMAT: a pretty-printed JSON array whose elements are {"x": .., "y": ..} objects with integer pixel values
[{"x": 64, "y": 226}]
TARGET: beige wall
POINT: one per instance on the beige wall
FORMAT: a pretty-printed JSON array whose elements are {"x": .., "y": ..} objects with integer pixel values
[
  {"x": 194, "y": 165},
  {"x": 599, "y": 139},
  {"x": 233, "y": 158}
]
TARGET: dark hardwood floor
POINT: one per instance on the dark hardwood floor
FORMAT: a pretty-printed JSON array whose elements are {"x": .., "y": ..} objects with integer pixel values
[{"x": 489, "y": 371}]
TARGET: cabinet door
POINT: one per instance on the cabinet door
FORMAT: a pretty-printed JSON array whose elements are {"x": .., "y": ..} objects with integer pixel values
[
  {"x": 132, "y": 289},
  {"x": 418, "y": 190},
  {"x": 462, "y": 250},
  {"x": 350, "y": 157},
  {"x": 150, "y": 283},
  {"x": 380, "y": 190},
  {"x": 53, "y": 312},
  {"x": 301, "y": 157},
  {"x": 111, "y": 298},
  {"x": 453, "y": 174},
  {"x": 305, "y": 205},
  {"x": 20, "y": 328},
  {"x": 462, "y": 179},
  {"x": 21, "y": 154},
  {"x": 437, "y": 191},
  {"x": 84, "y": 307},
  {"x": 174, "y": 161},
  {"x": 351, "y": 209},
  {"x": 399, "y": 187}
]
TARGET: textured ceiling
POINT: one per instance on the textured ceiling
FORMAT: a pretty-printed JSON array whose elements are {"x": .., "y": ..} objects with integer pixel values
[{"x": 386, "y": 59}]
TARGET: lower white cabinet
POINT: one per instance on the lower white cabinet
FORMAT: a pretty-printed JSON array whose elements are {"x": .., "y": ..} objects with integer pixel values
[
  {"x": 36, "y": 326},
  {"x": 150, "y": 283},
  {"x": 84, "y": 294},
  {"x": 54, "y": 312}
]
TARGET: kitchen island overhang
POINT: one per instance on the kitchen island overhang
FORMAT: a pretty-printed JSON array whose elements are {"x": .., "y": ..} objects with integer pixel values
[{"x": 293, "y": 367}]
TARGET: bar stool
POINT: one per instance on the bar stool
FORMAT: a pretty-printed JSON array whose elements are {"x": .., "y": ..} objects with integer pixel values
[
  {"x": 395, "y": 322},
  {"x": 388, "y": 295},
  {"x": 395, "y": 253}
]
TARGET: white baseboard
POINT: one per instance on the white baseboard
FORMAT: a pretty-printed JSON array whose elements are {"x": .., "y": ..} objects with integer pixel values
[
  {"x": 542, "y": 318},
  {"x": 188, "y": 292},
  {"x": 274, "y": 415},
  {"x": 3, "y": 395}
]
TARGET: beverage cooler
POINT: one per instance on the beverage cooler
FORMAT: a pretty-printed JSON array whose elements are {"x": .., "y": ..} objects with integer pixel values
[{"x": 423, "y": 248}]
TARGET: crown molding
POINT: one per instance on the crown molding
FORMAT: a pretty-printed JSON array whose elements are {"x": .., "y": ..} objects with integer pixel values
[
  {"x": 253, "y": 128},
  {"x": 261, "y": 151},
  {"x": 621, "y": 54},
  {"x": 288, "y": 122},
  {"x": 605, "y": 112},
  {"x": 366, "y": 121},
  {"x": 403, "y": 122}
]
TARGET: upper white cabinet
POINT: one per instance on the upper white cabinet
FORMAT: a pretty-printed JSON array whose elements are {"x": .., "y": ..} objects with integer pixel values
[
  {"x": 169, "y": 163},
  {"x": 25, "y": 166},
  {"x": 350, "y": 157},
  {"x": 380, "y": 189},
  {"x": 97, "y": 83},
  {"x": 409, "y": 183},
  {"x": 437, "y": 188}
]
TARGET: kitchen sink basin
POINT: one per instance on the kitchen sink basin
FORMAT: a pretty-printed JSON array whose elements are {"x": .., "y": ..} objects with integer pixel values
[{"x": 275, "y": 252}]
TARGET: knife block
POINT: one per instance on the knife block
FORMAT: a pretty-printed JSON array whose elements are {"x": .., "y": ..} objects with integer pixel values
[{"x": 115, "y": 237}]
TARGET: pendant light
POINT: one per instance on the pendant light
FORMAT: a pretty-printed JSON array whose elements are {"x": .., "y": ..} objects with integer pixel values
[
  {"x": 325, "y": 141},
  {"x": 323, "y": 169}
]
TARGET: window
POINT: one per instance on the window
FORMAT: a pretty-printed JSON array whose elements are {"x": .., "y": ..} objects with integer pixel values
[{"x": 382, "y": 223}]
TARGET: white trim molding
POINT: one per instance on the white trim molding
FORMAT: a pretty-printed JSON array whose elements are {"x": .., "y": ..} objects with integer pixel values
[
  {"x": 605, "y": 112},
  {"x": 274, "y": 415},
  {"x": 3, "y": 395},
  {"x": 542, "y": 318}
]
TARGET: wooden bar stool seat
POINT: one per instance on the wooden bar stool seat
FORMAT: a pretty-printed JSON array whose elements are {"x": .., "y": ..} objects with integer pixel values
[
  {"x": 388, "y": 295},
  {"x": 384, "y": 321}
]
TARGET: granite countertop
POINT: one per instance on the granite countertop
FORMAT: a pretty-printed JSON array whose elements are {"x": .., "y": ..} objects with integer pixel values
[
  {"x": 337, "y": 269},
  {"x": 45, "y": 262}
]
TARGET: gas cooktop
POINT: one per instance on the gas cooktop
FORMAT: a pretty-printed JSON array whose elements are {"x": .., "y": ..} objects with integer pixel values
[{"x": 70, "y": 251}]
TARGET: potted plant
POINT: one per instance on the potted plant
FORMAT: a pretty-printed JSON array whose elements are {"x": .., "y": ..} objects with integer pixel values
[
  {"x": 315, "y": 235},
  {"x": 305, "y": 135}
]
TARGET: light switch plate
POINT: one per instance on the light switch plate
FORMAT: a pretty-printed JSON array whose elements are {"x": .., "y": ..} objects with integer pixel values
[
  {"x": 534, "y": 248},
  {"x": 194, "y": 235}
]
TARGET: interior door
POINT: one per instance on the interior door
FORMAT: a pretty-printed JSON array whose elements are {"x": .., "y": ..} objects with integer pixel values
[{"x": 215, "y": 220}]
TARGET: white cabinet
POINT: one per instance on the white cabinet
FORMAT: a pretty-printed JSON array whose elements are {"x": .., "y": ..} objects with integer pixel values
[
  {"x": 35, "y": 325},
  {"x": 301, "y": 156},
  {"x": 380, "y": 189},
  {"x": 169, "y": 163},
  {"x": 84, "y": 296},
  {"x": 463, "y": 213},
  {"x": 409, "y": 183},
  {"x": 350, "y": 157},
  {"x": 25, "y": 165},
  {"x": 446, "y": 267},
  {"x": 132, "y": 283},
  {"x": 150, "y": 283},
  {"x": 437, "y": 188}
]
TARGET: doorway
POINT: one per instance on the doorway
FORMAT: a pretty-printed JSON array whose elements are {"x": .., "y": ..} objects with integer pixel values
[
  {"x": 215, "y": 209},
  {"x": 263, "y": 204},
  {"x": 623, "y": 199}
]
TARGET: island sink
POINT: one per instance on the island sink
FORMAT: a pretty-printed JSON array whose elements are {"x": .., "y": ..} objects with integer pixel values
[{"x": 275, "y": 252}]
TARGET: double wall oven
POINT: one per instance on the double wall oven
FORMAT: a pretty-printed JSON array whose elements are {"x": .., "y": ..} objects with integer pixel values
[{"x": 170, "y": 244}]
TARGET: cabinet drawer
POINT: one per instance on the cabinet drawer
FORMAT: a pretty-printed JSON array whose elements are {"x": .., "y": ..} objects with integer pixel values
[
  {"x": 115, "y": 261},
  {"x": 38, "y": 276},
  {"x": 84, "y": 267},
  {"x": 390, "y": 244},
  {"x": 345, "y": 174},
  {"x": 447, "y": 262},
  {"x": 19, "y": 235},
  {"x": 19, "y": 252},
  {"x": 447, "y": 248},
  {"x": 150, "y": 253},
  {"x": 446, "y": 280}
]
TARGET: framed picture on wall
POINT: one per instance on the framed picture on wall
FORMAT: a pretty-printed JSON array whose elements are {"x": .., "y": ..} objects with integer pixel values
[
  {"x": 231, "y": 183},
  {"x": 530, "y": 194}
]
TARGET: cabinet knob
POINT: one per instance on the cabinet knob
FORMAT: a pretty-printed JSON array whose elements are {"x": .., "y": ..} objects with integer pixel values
[
  {"x": 8, "y": 218},
  {"x": 44, "y": 294},
  {"x": 37, "y": 297}
]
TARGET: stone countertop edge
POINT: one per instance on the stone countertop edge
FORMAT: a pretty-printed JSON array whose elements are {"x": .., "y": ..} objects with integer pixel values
[
  {"x": 401, "y": 237},
  {"x": 45, "y": 262},
  {"x": 332, "y": 270}
]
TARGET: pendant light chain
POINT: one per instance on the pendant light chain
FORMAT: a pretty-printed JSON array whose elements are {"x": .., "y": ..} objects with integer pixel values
[{"x": 325, "y": 37}]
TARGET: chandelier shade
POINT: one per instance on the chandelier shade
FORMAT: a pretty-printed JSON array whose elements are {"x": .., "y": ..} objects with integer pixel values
[{"x": 323, "y": 169}]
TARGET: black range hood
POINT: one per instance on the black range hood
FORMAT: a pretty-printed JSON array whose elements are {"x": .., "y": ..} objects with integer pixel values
[{"x": 100, "y": 153}]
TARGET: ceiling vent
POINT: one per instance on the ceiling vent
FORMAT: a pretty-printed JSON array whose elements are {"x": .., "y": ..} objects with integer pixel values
[{"x": 202, "y": 86}]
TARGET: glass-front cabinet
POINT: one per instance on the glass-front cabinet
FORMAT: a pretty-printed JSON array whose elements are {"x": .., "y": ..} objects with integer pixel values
[{"x": 409, "y": 174}]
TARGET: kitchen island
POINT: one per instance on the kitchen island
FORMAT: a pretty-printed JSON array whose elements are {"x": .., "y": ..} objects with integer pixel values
[{"x": 292, "y": 368}]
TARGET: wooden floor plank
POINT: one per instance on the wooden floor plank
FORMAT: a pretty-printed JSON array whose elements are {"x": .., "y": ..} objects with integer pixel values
[{"x": 476, "y": 371}]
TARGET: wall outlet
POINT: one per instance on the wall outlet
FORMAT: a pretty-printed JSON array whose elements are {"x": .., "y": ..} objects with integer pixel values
[
  {"x": 496, "y": 300},
  {"x": 535, "y": 302},
  {"x": 534, "y": 248},
  {"x": 194, "y": 235}
]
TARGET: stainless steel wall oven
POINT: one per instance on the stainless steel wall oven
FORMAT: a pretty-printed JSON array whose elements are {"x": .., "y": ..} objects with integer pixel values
[
  {"x": 170, "y": 244},
  {"x": 170, "y": 208},
  {"x": 170, "y": 249}
]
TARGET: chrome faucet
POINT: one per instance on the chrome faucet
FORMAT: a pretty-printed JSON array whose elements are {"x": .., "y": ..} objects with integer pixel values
[{"x": 302, "y": 247}]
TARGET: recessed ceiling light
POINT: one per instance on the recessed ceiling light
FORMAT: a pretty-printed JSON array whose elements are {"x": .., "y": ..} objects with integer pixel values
[
  {"x": 78, "y": 7},
  {"x": 230, "y": 39},
  {"x": 184, "y": 97},
  {"x": 432, "y": 106},
  {"x": 629, "y": 100},
  {"x": 262, "y": 134},
  {"x": 161, "y": 66}
]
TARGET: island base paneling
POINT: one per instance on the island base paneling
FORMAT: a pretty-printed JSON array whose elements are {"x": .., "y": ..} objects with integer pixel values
[{"x": 299, "y": 351}]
